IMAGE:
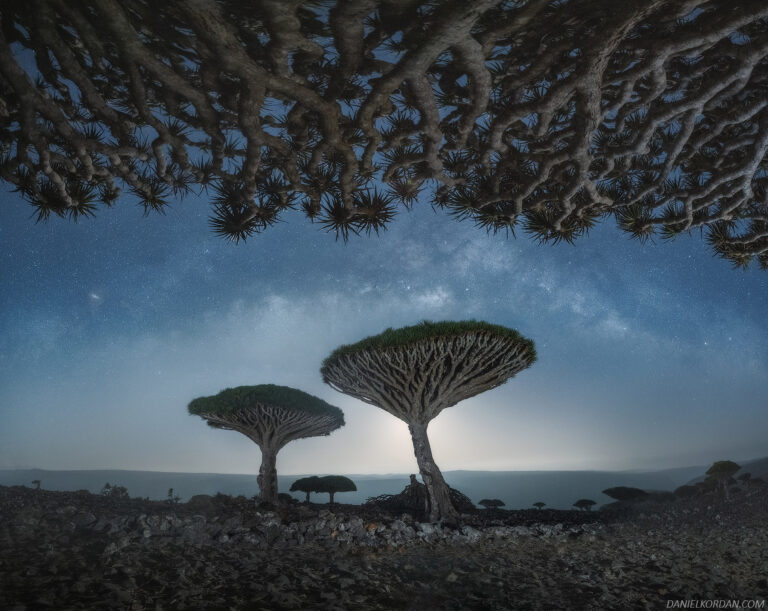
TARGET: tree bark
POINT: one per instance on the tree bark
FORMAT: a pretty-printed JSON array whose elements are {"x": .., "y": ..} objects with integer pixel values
[
  {"x": 439, "y": 504},
  {"x": 267, "y": 479},
  {"x": 331, "y": 493},
  {"x": 307, "y": 497}
]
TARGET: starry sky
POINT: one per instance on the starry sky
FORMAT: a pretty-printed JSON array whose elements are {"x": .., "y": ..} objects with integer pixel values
[{"x": 650, "y": 356}]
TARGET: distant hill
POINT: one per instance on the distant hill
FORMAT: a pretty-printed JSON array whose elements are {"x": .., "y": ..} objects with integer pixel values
[
  {"x": 518, "y": 489},
  {"x": 681, "y": 475},
  {"x": 758, "y": 468}
]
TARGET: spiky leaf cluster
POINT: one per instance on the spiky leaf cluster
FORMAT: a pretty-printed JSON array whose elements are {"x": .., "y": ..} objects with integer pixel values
[{"x": 548, "y": 116}]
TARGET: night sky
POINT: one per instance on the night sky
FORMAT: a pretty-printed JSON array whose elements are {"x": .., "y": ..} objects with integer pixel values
[{"x": 650, "y": 356}]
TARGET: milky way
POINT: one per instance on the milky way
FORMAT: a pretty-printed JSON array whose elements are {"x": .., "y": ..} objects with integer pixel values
[{"x": 649, "y": 355}]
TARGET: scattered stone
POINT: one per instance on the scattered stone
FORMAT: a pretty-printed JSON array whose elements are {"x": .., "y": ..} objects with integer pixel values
[{"x": 69, "y": 550}]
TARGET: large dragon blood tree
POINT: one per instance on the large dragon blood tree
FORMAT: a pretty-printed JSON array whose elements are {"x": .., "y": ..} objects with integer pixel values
[
  {"x": 271, "y": 416},
  {"x": 520, "y": 114},
  {"x": 415, "y": 372}
]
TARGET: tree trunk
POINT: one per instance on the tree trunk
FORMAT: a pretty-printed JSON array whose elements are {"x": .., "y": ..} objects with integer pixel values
[
  {"x": 439, "y": 506},
  {"x": 331, "y": 493},
  {"x": 724, "y": 485},
  {"x": 307, "y": 497},
  {"x": 267, "y": 479}
]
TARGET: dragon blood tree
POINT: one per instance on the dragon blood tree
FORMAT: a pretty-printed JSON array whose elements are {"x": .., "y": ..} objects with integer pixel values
[
  {"x": 335, "y": 483},
  {"x": 306, "y": 485},
  {"x": 271, "y": 416},
  {"x": 536, "y": 115},
  {"x": 415, "y": 372},
  {"x": 721, "y": 474}
]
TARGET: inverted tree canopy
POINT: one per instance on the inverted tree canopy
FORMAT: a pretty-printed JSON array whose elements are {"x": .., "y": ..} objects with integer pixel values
[
  {"x": 426, "y": 330},
  {"x": 723, "y": 469},
  {"x": 415, "y": 372},
  {"x": 305, "y": 484},
  {"x": 232, "y": 400},
  {"x": 535, "y": 115},
  {"x": 335, "y": 483}
]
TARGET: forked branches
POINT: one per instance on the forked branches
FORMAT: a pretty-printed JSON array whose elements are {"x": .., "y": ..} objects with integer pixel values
[{"x": 543, "y": 115}]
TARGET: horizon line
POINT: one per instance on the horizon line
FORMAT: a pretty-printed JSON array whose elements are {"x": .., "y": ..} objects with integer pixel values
[{"x": 359, "y": 474}]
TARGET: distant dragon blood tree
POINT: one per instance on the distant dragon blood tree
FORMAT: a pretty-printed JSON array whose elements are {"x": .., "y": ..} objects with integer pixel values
[
  {"x": 585, "y": 504},
  {"x": 491, "y": 503},
  {"x": 416, "y": 372},
  {"x": 533, "y": 114},
  {"x": 328, "y": 483},
  {"x": 271, "y": 416},
  {"x": 625, "y": 493},
  {"x": 721, "y": 474},
  {"x": 306, "y": 485},
  {"x": 335, "y": 483}
]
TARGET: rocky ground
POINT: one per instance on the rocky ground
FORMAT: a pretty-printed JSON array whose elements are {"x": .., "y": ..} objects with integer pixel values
[{"x": 66, "y": 550}]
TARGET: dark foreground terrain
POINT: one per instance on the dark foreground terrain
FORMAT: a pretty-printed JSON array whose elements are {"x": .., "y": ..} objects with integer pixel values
[{"x": 64, "y": 550}]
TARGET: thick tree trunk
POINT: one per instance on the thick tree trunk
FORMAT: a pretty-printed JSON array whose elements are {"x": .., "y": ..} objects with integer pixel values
[
  {"x": 438, "y": 496},
  {"x": 267, "y": 479}
]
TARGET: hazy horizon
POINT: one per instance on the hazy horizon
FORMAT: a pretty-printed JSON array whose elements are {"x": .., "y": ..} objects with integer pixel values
[
  {"x": 378, "y": 474},
  {"x": 515, "y": 488}
]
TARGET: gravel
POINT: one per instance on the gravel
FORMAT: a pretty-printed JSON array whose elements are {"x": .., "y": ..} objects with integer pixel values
[{"x": 68, "y": 550}]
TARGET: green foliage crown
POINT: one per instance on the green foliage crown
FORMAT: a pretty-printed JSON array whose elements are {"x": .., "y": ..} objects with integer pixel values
[
  {"x": 427, "y": 330},
  {"x": 231, "y": 400}
]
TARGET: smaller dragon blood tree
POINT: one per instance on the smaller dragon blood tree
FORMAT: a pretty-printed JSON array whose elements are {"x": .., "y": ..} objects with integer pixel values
[
  {"x": 415, "y": 372},
  {"x": 625, "y": 493},
  {"x": 271, "y": 416},
  {"x": 335, "y": 483},
  {"x": 492, "y": 503},
  {"x": 721, "y": 473},
  {"x": 585, "y": 504},
  {"x": 306, "y": 485}
]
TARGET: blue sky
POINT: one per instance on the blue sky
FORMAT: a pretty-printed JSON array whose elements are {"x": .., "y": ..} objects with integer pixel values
[{"x": 650, "y": 355}]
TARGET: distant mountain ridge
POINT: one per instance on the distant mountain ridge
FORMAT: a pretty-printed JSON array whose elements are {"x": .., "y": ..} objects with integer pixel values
[
  {"x": 518, "y": 489},
  {"x": 757, "y": 468}
]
